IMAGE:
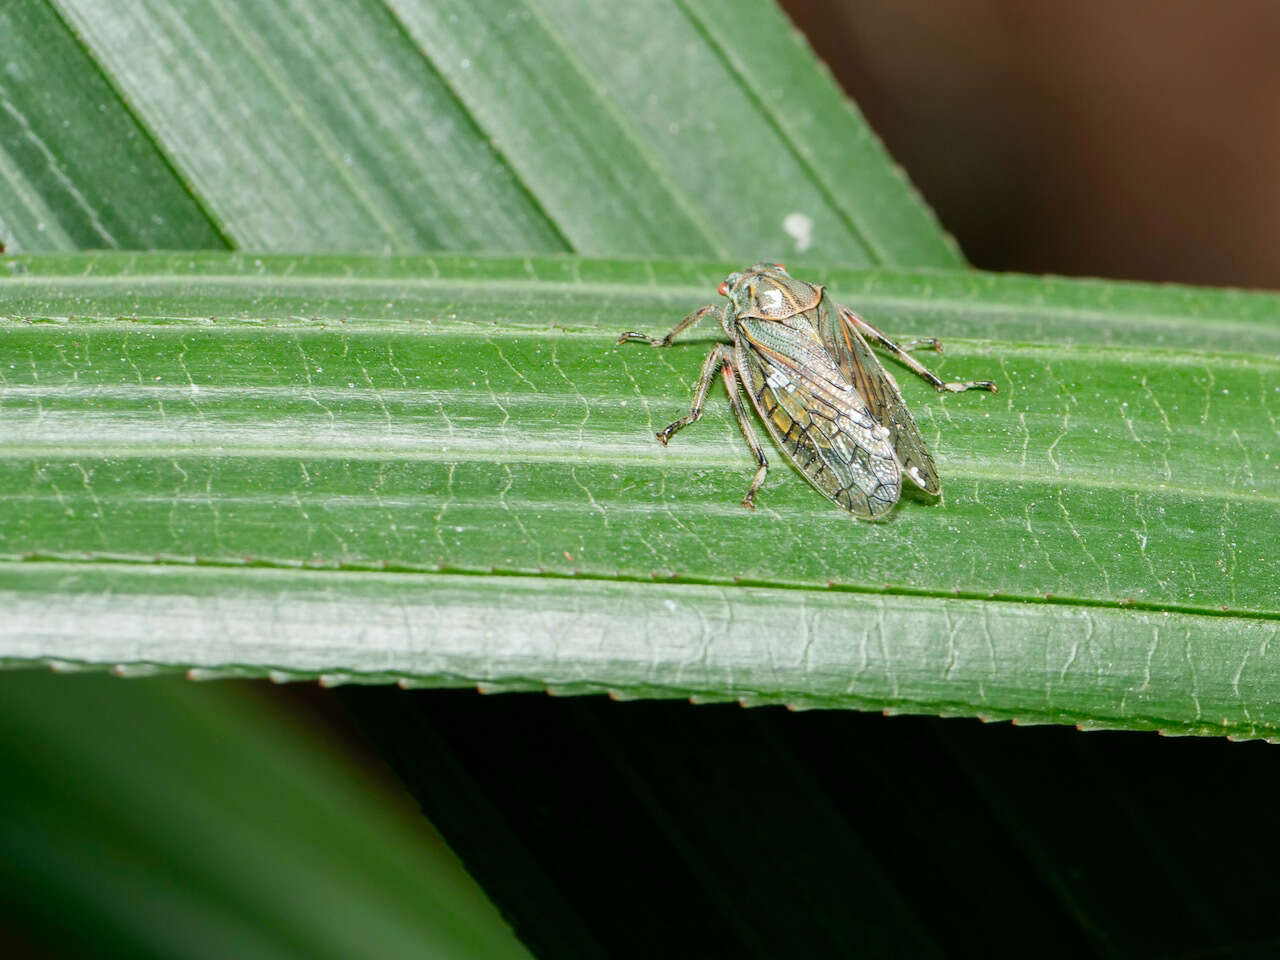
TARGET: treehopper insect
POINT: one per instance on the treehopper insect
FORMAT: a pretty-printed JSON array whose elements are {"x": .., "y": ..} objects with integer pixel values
[{"x": 808, "y": 367}]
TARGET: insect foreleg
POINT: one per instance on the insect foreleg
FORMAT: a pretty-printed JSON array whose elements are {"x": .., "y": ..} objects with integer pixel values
[
  {"x": 678, "y": 329},
  {"x": 716, "y": 357},
  {"x": 955, "y": 386},
  {"x": 735, "y": 401}
]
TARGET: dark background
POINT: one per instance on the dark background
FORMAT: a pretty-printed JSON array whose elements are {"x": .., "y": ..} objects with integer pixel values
[{"x": 1136, "y": 140}]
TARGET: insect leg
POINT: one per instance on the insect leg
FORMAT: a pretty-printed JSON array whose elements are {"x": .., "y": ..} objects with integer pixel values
[
  {"x": 716, "y": 357},
  {"x": 955, "y": 386},
  {"x": 678, "y": 329},
  {"x": 735, "y": 400},
  {"x": 933, "y": 343}
]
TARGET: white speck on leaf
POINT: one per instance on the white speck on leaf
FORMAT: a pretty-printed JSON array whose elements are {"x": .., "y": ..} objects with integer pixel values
[{"x": 799, "y": 227}]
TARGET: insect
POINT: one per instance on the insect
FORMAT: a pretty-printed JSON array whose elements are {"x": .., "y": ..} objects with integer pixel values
[{"x": 820, "y": 389}]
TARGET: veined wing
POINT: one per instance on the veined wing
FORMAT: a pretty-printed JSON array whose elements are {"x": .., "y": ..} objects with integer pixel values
[
  {"x": 860, "y": 365},
  {"x": 817, "y": 416}
]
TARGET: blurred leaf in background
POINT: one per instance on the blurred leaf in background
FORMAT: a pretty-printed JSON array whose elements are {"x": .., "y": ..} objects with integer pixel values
[
  {"x": 154, "y": 818},
  {"x": 498, "y": 126}
]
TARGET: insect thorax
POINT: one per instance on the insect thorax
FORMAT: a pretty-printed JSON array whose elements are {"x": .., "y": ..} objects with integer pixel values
[{"x": 775, "y": 296}]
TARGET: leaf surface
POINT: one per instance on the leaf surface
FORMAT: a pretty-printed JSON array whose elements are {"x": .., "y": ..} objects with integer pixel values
[
  {"x": 536, "y": 126},
  {"x": 388, "y": 434}
]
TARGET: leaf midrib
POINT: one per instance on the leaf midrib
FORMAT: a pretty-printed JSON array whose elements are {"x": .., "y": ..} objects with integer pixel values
[{"x": 734, "y": 583}]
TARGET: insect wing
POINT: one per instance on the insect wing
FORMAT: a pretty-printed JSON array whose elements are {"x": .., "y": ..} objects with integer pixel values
[
  {"x": 860, "y": 365},
  {"x": 816, "y": 415}
]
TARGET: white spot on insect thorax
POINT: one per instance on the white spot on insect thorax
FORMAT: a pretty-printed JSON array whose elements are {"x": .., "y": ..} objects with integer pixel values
[
  {"x": 914, "y": 473},
  {"x": 771, "y": 299},
  {"x": 800, "y": 228}
]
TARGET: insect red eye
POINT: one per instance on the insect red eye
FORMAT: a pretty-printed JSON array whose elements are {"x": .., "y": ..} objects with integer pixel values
[
  {"x": 723, "y": 289},
  {"x": 781, "y": 266}
]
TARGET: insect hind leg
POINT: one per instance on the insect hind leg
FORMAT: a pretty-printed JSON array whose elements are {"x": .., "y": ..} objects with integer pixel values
[
  {"x": 935, "y": 381},
  {"x": 730, "y": 376},
  {"x": 715, "y": 358},
  {"x": 933, "y": 343}
]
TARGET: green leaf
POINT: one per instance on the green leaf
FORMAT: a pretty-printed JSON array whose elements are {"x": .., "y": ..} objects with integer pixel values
[
  {"x": 157, "y": 820},
  {"x": 76, "y": 170},
  {"x": 443, "y": 470},
  {"x": 537, "y": 126}
]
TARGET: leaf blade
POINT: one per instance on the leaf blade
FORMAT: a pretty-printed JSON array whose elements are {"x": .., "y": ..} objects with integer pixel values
[
  {"x": 827, "y": 132},
  {"x": 273, "y": 119},
  {"x": 525, "y": 127},
  {"x": 56, "y": 191},
  {"x": 473, "y": 414},
  {"x": 803, "y": 648}
]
